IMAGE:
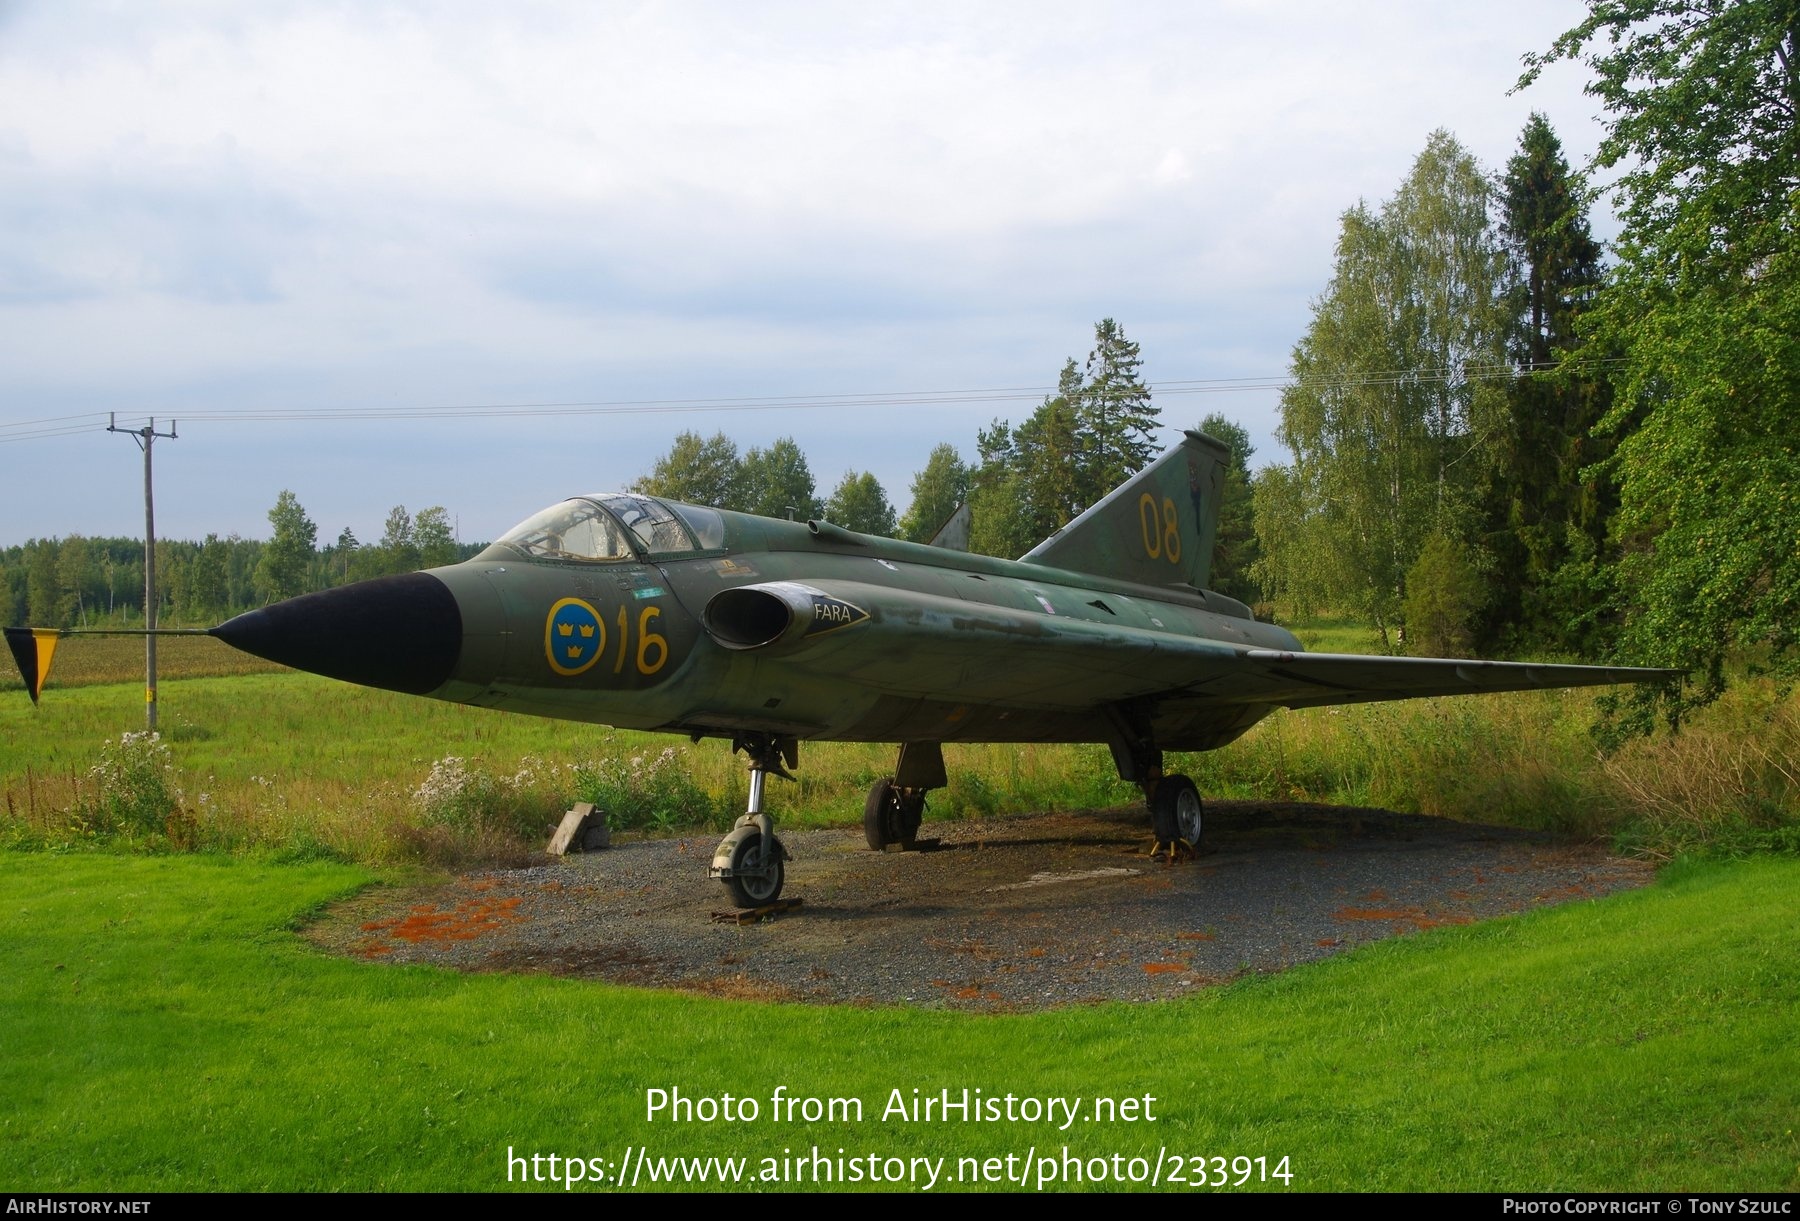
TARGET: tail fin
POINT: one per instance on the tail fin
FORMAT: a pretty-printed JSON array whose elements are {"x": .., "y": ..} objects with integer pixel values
[{"x": 1158, "y": 528}]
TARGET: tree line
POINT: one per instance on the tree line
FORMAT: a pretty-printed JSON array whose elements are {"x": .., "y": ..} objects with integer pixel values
[
  {"x": 81, "y": 581},
  {"x": 1026, "y": 481}
]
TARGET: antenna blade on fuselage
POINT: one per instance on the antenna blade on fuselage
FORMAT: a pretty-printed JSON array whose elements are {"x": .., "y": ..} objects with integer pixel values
[{"x": 953, "y": 535}]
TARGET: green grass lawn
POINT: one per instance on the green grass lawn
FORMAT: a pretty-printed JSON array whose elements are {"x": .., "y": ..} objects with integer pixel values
[{"x": 165, "y": 1028}]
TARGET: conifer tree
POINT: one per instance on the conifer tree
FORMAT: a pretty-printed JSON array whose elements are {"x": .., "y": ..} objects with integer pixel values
[
  {"x": 1552, "y": 496},
  {"x": 1115, "y": 419}
]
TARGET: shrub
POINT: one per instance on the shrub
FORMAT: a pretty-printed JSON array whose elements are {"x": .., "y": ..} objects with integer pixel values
[
  {"x": 647, "y": 790},
  {"x": 134, "y": 793}
]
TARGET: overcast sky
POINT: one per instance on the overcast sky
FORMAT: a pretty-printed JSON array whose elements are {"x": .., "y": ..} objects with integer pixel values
[{"x": 225, "y": 207}]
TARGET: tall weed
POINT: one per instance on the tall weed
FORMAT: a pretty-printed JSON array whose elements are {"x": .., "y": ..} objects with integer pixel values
[
  {"x": 648, "y": 788},
  {"x": 132, "y": 792}
]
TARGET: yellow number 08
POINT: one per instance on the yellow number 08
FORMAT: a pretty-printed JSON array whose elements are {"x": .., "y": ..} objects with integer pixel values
[{"x": 1162, "y": 528}]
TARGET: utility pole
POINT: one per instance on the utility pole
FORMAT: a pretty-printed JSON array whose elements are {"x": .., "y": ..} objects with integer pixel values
[{"x": 146, "y": 437}]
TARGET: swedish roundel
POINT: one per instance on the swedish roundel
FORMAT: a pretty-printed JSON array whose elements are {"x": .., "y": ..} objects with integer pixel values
[{"x": 573, "y": 636}]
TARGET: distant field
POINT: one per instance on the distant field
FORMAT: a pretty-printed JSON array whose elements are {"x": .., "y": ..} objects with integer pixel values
[{"x": 86, "y": 661}]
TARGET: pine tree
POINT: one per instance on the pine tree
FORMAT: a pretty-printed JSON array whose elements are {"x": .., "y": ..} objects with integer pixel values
[
  {"x": 1093, "y": 434},
  {"x": 1237, "y": 550},
  {"x": 1552, "y": 498},
  {"x": 1115, "y": 419},
  {"x": 996, "y": 496}
]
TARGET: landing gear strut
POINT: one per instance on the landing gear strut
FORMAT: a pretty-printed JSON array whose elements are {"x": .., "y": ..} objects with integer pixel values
[{"x": 749, "y": 860}]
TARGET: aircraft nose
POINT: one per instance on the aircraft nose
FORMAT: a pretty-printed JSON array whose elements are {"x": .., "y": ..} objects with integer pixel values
[{"x": 402, "y": 633}]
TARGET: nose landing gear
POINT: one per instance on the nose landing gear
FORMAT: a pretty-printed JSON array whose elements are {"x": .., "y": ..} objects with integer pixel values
[{"x": 749, "y": 860}]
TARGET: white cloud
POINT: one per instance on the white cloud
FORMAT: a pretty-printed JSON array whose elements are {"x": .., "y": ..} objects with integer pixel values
[{"x": 212, "y": 204}]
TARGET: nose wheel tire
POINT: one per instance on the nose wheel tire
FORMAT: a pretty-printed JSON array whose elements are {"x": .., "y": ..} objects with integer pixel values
[
  {"x": 755, "y": 889},
  {"x": 1176, "y": 811}
]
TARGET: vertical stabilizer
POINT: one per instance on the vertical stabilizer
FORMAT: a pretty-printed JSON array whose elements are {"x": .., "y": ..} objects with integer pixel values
[{"x": 1158, "y": 528}]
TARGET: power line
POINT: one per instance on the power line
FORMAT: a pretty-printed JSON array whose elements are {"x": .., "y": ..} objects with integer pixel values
[{"x": 58, "y": 426}]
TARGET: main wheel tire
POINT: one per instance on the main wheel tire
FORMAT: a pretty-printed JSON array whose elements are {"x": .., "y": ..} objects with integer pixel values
[
  {"x": 881, "y": 815},
  {"x": 755, "y": 890},
  {"x": 1176, "y": 811}
]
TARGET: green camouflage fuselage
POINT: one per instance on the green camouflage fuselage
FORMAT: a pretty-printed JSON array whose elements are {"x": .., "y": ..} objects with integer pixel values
[{"x": 884, "y": 641}]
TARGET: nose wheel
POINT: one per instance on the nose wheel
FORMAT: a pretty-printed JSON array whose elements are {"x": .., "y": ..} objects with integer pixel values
[
  {"x": 750, "y": 860},
  {"x": 752, "y": 876}
]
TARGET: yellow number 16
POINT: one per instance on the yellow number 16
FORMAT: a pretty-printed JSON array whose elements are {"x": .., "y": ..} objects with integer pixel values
[{"x": 650, "y": 644}]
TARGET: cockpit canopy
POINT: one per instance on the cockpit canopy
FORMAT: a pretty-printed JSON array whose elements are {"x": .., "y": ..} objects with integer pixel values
[{"x": 612, "y": 527}]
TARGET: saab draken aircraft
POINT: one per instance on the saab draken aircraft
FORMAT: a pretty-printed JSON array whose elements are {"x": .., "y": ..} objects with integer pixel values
[{"x": 632, "y": 611}]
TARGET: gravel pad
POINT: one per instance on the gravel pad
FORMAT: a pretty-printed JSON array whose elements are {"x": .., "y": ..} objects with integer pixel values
[{"x": 1009, "y": 914}]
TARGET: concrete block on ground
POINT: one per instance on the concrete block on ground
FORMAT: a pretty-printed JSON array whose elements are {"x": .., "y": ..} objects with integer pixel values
[{"x": 582, "y": 829}]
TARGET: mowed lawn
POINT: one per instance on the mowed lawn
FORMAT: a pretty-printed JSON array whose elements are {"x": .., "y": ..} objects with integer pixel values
[{"x": 164, "y": 1027}]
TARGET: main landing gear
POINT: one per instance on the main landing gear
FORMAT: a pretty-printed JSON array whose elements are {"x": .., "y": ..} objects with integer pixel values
[
  {"x": 1176, "y": 811},
  {"x": 750, "y": 859},
  {"x": 896, "y": 804}
]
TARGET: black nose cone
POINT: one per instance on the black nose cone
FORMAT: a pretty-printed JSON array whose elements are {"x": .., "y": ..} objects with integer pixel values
[{"x": 401, "y": 633}]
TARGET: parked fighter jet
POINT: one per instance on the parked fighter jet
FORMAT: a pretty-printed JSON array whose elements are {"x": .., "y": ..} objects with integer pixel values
[{"x": 631, "y": 611}]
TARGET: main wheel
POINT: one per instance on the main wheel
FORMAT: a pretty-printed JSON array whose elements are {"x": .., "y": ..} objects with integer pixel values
[
  {"x": 754, "y": 890},
  {"x": 891, "y": 815},
  {"x": 1175, "y": 811},
  {"x": 881, "y": 815}
]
